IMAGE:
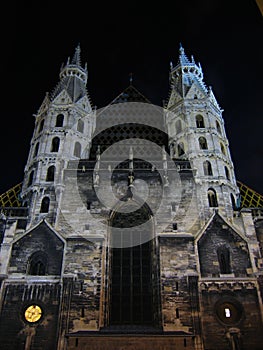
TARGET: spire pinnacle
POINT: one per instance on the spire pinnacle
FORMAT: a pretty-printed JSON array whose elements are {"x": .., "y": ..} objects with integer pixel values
[{"x": 76, "y": 58}]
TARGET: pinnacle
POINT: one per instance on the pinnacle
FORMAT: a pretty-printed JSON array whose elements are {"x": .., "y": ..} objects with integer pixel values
[{"x": 76, "y": 58}]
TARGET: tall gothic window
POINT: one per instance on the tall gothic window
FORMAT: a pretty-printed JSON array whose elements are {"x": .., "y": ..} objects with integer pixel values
[
  {"x": 199, "y": 121},
  {"x": 45, "y": 205},
  {"x": 212, "y": 198},
  {"x": 77, "y": 149},
  {"x": 55, "y": 144},
  {"x": 80, "y": 125},
  {"x": 37, "y": 264},
  {"x": 50, "y": 173},
  {"x": 59, "y": 120},
  {"x": 207, "y": 168},
  {"x": 202, "y": 142},
  {"x": 223, "y": 255}
]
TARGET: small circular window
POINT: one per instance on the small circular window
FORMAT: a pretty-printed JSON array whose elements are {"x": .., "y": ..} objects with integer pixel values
[
  {"x": 33, "y": 313},
  {"x": 229, "y": 312}
]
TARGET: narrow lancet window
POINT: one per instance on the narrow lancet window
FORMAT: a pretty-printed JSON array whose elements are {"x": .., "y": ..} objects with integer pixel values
[
  {"x": 223, "y": 255},
  {"x": 59, "y": 120},
  {"x": 207, "y": 168},
  {"x": 44, "y": 205},
  {"x": 50, "y": 173},
  {"x": 55, "y": 144},
  {"x": 202, "y": 143},
  {"x": 212, "y": 198},
  {"x": 199, "y": 121}
]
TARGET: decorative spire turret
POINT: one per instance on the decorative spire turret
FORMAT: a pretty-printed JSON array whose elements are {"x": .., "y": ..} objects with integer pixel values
[{"x": 73, "y": 78}]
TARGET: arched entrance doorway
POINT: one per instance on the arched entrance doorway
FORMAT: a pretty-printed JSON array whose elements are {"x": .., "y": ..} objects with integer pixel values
[{"x": 133, "y": 267}]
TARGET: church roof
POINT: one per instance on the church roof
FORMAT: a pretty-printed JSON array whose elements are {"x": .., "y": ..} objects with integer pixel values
[{"x": 130, "y": 94}]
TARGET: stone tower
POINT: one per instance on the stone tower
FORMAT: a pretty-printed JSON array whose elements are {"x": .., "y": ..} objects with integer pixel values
[
  {"x": 131, "y": 235},
  {"x": 196, "y": 132},
  {"x": 64, "y": 125}
]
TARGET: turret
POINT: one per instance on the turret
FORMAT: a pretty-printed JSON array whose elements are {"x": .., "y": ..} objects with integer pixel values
[
  {"x": 196, "y": 132},
  {"x": 63, "y": 130}
]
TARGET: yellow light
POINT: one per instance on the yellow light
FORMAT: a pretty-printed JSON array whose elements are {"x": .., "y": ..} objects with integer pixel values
[{"x": 33, "y": 313}]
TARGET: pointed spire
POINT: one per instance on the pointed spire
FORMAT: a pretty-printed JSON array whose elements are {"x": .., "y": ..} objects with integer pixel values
[
  {"x": 183, "y": 59},
  {"x": 76, "y": 58}
]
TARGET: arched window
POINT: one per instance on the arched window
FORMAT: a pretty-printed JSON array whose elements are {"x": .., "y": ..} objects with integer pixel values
[
  {"x": 80, "y": 126},
  {"x": 36, "y": 149},
  {"x": 202, "y": 143},
  {"x": 199, "y": 121},
  {"x": 55, "y": 144},
  {"x": 223, "y": 255},
  {"x": 178, "y": 126},
  {"x": 30, "y": 178},
  {"x": 222, "y": 149},
  {"x": 59, "y": 120},
  {"x": 50, "y": 173},
  {"x": 212, "y": 198},
  {"x": 180, "y": 149},
  {"x": 41, "y": 125},
  {"x": 218, "y": 128},
  {"x": 207, "y": 168},
  {"x": 227, "y": 173},
  {"x": 44, "y": 205},
  {"x": 233, "y": 201},
  {"x": 37, "y": 264},
  {"x": 77, "y": 149}
]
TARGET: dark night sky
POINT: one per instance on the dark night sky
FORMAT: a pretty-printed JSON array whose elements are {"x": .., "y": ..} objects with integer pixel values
[{"x": 142, "y": 37}]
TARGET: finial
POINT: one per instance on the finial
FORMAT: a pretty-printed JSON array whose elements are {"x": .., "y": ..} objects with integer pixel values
[
  {"x": 181, "y": 49},
  {"x": 171, "y": 65},
  {"x": 76, "y": 57},
  {"x": 131, "y": 78}
]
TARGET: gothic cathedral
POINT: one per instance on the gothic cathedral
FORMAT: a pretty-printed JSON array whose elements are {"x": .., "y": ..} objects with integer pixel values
[{"x": 129, "y": 231}]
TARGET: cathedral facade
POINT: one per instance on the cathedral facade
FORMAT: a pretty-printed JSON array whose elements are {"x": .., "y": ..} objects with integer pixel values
[{"x": 131, "y": 233}]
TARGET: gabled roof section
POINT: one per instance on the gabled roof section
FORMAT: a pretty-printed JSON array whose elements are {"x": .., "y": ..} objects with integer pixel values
[
  {"x": 130, "y": 94},
  {"x": 216, "y": 217},
  {"x": 41, "y": 226}
]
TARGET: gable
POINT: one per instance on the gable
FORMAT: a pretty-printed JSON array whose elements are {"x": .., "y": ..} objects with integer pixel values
[
  {"x": 219, "y": 236},
  {"x": 41, "y": 239}
]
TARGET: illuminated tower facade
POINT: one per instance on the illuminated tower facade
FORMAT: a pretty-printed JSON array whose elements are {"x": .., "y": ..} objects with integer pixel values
[
  {"x": 196, "y": 132},
  {"x": 130, "y": 233}
]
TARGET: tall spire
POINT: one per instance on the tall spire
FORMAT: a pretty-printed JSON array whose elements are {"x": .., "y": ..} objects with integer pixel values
[{"x": 76, "y": 58}]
